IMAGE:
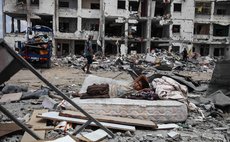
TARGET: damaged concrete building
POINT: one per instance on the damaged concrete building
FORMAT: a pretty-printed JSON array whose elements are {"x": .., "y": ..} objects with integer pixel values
[{"x": 141, "y": 25}]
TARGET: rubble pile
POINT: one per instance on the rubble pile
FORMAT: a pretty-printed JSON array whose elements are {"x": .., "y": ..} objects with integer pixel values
[
  {"x": 159, "y": 104},
  {"x": 152, "y": 61}
]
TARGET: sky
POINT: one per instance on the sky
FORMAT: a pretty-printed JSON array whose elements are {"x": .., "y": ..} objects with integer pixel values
[{"x": 0, "y": 18}]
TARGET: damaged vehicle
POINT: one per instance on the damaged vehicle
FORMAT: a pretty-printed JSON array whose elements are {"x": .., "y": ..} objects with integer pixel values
[{"x": 37, "y": 50}]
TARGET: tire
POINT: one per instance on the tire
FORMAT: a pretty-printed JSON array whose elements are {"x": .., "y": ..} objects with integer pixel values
[{"x": 48, "y": 64}]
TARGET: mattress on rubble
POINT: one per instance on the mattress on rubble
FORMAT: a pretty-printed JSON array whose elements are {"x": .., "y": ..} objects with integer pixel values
[{"x": 161, "y": 111}]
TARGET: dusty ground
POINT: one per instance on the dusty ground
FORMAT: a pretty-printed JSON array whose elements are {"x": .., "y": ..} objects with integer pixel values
[{"x": 192, "y": 130}]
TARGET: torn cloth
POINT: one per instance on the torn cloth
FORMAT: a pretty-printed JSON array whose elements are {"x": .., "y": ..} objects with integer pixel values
[{"x": 167, "y": 88}]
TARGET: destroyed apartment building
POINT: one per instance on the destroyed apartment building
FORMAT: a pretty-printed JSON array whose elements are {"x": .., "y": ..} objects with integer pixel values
[{"x": 201, "y": 26}]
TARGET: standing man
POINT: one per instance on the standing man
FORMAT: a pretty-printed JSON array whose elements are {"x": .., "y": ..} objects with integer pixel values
[
  {"x": 88, "y": 54},
  {"x": 185, "y": 54}
]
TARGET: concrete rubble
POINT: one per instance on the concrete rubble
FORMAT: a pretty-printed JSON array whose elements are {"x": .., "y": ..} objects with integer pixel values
[{"x": 175, "y": 102}]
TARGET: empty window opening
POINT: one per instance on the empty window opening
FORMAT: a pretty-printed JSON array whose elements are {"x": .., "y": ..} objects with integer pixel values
[
  {"x": 221, "y": 11},
  {"x": 45, "y": 21},
  {"x": 159, "y": 47},
  {"x": 222, "y": 8},
  {"x": 159, "y": 31},
  {"x": 161, "y": 8},
  {"x": 16, "y": 24},
  {"x": 67, "y": 25},
  {"x": 175, "y": 49},
  {"x": 176, "y": 29},
  {"x": 177, "y": 7},
  {"x": 137, "y": 30},
  {"x": 121, "y": 4},
  {"x": 110, "y": 48},
  {"x": 201, "y": 29},
  {"x": 113, "y": 29},
  {"x": 133, "y": 6},
  {"x": 218, "y": 52},
  {"x": 21, "y": 2},
  {"x": 34, "y": 2},
  {"x": 65, "y": 49},
  {"x": 95, "y": 6},
  {"x": 219, "y": 30},
  {"x": 63, "y": 4},
  {"x": 79, "y": 47},
  {"x": 134, "y": 46},
  {"x": 203, "y": 8},
  {"x": 90, "y": 24},
  {"x": 204, "y": 50},
  {"x": 64, "y": 27}
]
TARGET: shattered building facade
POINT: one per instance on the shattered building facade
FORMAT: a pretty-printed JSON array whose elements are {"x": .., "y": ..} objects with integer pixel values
[{"x": 142, "y": 25}]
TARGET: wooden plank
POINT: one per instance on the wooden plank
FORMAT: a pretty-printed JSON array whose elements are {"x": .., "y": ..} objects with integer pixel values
[
  {"x": 11, "y": 97},
  {"x": 7, "y": 128},
  {"x": 55, "y": 116},
  {"x": 43, "y": 128},
  {"x": 111, "y": 119},
  {"x": 167, "y": 126},
  {"x": 35, "y": 122},
  {"x": 95, "y": 136}
]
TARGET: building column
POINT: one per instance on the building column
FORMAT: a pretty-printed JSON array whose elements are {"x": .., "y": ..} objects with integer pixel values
[
  {"x": 72, "y": 47},
  {"x": 79, "y": 5},
  {"x": 4, "y": 24},
  {"x": 19, "y": 26},
  {"x": 126, "y": 24},
  {"x": 79, "y": 19},
  {"x": 211, "y": 51},
  {"x": 12, "y": 24},
  {"x": 149, "y": 22},
  {"x": 211, "y": 32},
  {"x": 29, "y": 24},
  {"x": 55, "y": 27},
  {"x": 79, "y": 23},
  {"x": 102, "y": 26}
]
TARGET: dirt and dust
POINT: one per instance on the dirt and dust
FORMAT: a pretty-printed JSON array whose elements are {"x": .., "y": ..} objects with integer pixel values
[{"x": 194, "y": 129}]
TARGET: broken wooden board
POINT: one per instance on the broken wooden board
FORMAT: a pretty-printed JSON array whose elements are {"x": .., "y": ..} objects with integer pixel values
[
  {"x": 95, "y": 136},
  {"x": 167, "y": 126},
  {"x": 8, "y": 128},
  {"x": 43, "y": 128},
  {"x": 111, "y": 119},
  {"x": 55, "y": 116},
  {"x": 35, "y": 122},
  {"x": 11, "y": 97}
]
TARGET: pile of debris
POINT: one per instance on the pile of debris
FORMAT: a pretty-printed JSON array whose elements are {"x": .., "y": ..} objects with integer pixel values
[{"x": 163, "y": 61}]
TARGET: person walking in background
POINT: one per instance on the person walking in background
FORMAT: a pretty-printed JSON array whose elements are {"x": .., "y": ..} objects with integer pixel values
[
  {"x": 185, "y": 54},
  {"x": 88, "y": 54}
]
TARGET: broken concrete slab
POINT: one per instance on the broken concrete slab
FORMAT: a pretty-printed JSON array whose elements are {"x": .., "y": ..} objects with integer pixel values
[
  {"x": 220, "y": 77},
  {"x": 11, "y": 88},
  {"x": 49, "y": 103},
  {"x": 219, "y": 98},
  {"x": 35, "y": 94},
  {"x": 163, "y": 111},
  {"x": 11, "y": 97},
  {"x": 174, "y": 135},
  {"x": 95, "y": 136},
  {"x": 189, "y": 84}
]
